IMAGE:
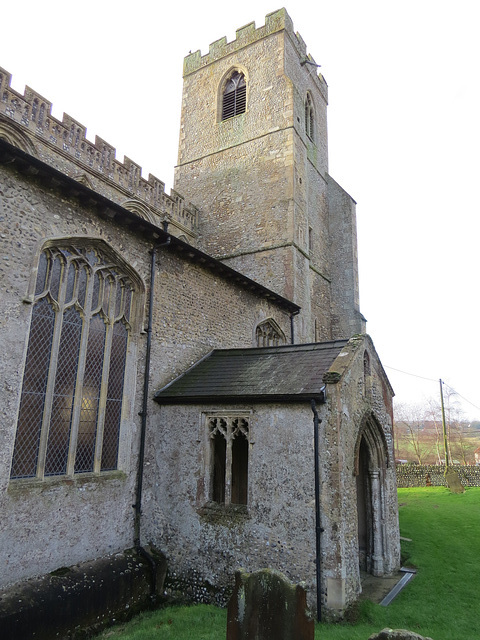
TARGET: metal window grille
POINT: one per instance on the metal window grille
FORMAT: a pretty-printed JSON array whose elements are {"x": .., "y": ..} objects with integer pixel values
[
  {"x": 71, "y": 403},
  {"x": 234, "y": 96}
]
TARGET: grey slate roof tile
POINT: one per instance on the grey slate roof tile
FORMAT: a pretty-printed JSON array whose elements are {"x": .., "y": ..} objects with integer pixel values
[{"x": 285, "y": 373}]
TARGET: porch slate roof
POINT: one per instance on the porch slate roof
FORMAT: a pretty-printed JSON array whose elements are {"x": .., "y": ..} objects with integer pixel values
[{"x": 267, "y": 374}]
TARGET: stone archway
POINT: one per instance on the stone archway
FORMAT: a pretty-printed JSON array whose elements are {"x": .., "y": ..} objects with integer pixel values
[{"x": 371, "y": 460}]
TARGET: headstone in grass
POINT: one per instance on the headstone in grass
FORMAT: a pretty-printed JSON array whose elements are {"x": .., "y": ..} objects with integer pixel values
[
  {"x": 266, "y": 606},
  {"x": 453, "y": 481},
  {"x": 397, "y": 634}
]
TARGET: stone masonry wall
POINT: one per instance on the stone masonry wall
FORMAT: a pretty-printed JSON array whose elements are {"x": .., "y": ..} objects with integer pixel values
[
  {"x": 353, "y": 400},
  {"x": 26, "y": 121},
  {"x": 60, "y": 521},
  {"x": 205, "y": 543},
  {"x": 415, "y": 475},
  {"x": 261, "y": 182}
]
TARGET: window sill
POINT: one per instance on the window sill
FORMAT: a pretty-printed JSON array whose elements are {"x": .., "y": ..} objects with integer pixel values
[
  {"x": 228, "y": 514},
  {"x": 19, "y": 486}
]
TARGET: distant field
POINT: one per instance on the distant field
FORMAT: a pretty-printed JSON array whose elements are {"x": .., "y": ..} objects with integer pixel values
[
  {"x": 441, "y": 602},
  {"x": 405, "y": 450}
]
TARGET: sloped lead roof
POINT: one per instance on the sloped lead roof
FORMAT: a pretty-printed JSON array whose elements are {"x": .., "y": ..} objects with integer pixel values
[{"x": 286, "y": 373}]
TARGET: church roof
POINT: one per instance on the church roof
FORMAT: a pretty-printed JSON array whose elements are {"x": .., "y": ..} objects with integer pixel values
[
  {"x": 131, "y": 221},
  {"x": 268, "y": 374}
]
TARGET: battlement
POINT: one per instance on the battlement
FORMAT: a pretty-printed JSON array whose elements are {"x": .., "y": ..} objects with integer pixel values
[
  {"x": 64, "y": 145},
  {"x": 274, "y": 22}
]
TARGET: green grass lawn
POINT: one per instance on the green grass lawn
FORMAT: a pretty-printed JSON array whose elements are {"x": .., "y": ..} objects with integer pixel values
[{"x": 442, "y": 601}]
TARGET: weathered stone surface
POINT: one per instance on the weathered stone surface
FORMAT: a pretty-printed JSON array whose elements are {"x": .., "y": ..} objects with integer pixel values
[
  {"x": 70, "y": 600},
  {"x": 265, "y": 605},
  {"x": 397, "y": 634},
  {"x": 453, "y": 481},
  {"x": 270, "y": 209}
]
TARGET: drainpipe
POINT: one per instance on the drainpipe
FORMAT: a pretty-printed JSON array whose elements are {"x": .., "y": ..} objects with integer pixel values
[
  {"x": 143, "y": 414},
  {"x": 318, "y": 528}
]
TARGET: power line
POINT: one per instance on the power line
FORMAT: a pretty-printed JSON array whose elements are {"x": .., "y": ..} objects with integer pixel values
[
  {"x": 460, "y": 396},
  {"x": 413, "y": 375}
]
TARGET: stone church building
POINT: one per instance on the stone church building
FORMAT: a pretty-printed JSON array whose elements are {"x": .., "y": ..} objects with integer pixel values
[{"x": 192, "y": 354}]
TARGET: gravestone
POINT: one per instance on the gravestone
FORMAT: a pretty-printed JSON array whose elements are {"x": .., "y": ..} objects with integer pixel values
[
  {"x": 397, "y": 634},
  {"x": 453, "y": 481},
  {"x": 266, "y": 606}
]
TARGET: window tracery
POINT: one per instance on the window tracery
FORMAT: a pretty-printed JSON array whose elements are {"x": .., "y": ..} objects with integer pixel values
[
  {"x": 229, "y": 437},
  {"x": 71, "y": 402},
  {"x": 269, "y": 334},
  {"x": 309, "y": 117},
  {"x": 234, "y": 96}
]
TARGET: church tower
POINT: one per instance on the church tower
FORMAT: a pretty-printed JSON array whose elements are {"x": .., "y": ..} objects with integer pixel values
[{"x": 253, "y": 158}]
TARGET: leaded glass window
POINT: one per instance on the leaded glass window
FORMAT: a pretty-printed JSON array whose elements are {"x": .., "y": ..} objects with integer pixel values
[{"x": 71, "y": 402}]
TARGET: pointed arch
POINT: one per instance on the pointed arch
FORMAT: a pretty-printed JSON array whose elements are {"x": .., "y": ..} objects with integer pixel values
[
  {"x": 374, "y": 436},
  {"x": 269, "y": 334},
  {"x": 233, "y": 91},
  {"x": 141, "y": 209},
  {"x": 370, "y": 463},
  {"x": 86, "y": 301},
  {"x": 309, "y": 117},
  {"x": 16, "y": 137}
]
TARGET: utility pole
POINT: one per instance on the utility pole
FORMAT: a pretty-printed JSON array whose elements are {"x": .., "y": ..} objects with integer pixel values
[{"x": 445, "y": 443}]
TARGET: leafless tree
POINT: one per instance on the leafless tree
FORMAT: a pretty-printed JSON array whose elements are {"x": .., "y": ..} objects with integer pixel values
[{"x": 410, "y": 431}]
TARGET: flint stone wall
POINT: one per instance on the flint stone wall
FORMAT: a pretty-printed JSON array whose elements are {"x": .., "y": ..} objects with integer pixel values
[{"x": 415, "y": 475}]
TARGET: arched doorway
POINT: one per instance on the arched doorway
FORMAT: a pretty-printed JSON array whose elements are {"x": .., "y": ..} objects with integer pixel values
[
  {"x": 364, "y": 512},
  {"x": 371, "y": 460}
]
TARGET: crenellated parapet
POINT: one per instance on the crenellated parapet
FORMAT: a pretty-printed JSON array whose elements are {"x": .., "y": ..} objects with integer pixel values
[
  {"x": 274, "y": 22},
  {"x": 28, "y": 123}
]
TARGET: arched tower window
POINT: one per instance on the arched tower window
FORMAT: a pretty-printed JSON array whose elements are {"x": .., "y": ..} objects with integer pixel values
[
  {"x": 269, "y": 334},
  {"x": 309, "y": 117},
  {"x": 234, "y": 96},
  {"x": 73, "y": 384}
]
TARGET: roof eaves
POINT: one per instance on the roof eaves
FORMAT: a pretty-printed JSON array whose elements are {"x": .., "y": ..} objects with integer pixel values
[
  {"x": 108, "y": 209},
  {"x": 318, "y": 396}
]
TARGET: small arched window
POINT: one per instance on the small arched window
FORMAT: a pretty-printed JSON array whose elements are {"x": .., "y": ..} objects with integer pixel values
[
  {"x": 309, "y": 117},
  {"x": 366, "y": 371},
  {"x": 234, "y": 96},
  {"x": 269, "y": 334}
]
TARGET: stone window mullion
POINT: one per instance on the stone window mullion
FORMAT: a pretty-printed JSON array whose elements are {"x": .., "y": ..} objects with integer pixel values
[
  {"x": 70, "y": 413},
  {"x": 78, "y": 394},
  {"x": 103, "y": 397},
  {"x": 228, "y": 466},
  {"x": 52, "y": 370}
]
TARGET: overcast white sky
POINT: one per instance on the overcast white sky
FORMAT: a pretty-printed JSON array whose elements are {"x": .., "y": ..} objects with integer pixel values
[{"x": 404, "y": 139}]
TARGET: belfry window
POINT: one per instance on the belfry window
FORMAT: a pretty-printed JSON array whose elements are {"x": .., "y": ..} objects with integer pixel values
[
  {"x": 71, "y": 402},
  {"x": 309, "y": 117},
  {"x": 234, "y": 96},
  {"x": 229, "y": 458}
]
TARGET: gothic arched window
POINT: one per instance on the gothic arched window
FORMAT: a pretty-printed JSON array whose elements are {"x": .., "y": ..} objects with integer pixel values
[
  {"x": 229, "y": 438},
  {"x": 269, "y": 334},
  {"x": 234, "y": 96},
  {"x": 73, "y": 383},
  {"x": 309, "y": 117}
]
